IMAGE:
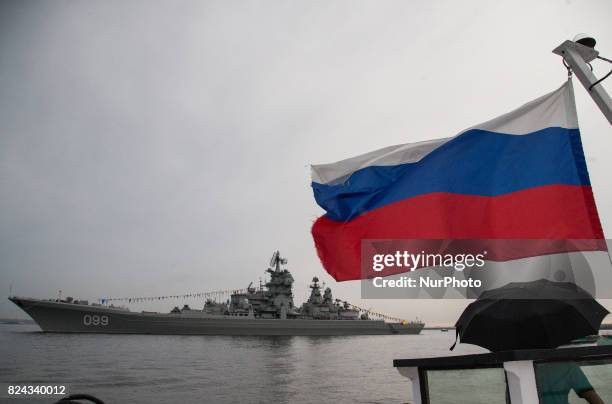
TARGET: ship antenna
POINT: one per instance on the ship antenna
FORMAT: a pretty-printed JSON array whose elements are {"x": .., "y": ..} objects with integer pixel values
[{"x": 277, "y": 260}]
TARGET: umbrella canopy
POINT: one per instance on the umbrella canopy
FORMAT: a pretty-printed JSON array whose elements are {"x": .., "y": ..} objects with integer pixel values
[{"x": 530, "y": 315}]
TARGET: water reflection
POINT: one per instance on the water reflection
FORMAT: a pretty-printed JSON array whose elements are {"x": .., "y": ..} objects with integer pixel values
[{"x": 157, "y": 368}]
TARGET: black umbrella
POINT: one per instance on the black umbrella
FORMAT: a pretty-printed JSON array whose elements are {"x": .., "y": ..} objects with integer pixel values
[{"x": 530, "y": 315}]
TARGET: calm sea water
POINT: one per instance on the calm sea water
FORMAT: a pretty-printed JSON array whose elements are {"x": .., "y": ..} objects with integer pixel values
[{"x": 198, "y": 369}]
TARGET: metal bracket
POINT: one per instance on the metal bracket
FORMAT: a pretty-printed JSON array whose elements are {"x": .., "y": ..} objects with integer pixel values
[
  {"x": 588, "y": 54},
  {"x": 577, "y": 57}
]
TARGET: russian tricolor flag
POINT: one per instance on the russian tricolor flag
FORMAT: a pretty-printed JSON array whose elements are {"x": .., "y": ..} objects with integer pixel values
[{"x": 519, "y": 176}]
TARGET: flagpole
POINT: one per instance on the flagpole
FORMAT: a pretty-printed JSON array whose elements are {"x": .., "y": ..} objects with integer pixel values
[{"x": 577, "y": 56}]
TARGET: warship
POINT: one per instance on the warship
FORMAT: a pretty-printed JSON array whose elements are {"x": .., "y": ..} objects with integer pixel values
[{"x": 266, "y": 310}]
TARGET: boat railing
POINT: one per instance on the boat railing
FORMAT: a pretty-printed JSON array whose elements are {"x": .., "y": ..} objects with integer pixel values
[{"x": 522, "y": 376}]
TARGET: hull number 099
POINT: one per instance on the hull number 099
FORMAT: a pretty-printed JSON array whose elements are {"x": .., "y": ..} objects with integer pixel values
[{"x": 94, "y": 319}]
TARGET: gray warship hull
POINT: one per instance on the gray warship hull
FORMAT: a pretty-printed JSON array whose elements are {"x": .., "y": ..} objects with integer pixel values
[{"x": 61, "y": 317}]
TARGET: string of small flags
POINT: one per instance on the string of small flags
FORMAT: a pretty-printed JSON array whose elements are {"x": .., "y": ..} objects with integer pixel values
[
  {"x": 216, "y": 294},
  {"x": 380, "y": 315}
]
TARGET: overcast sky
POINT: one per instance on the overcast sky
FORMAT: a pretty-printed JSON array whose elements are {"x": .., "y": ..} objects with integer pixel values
[{"x": 151, "y": 148}]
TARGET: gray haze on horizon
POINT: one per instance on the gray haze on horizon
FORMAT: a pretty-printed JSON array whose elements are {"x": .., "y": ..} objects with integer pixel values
[{"x": 153, "y": 148}]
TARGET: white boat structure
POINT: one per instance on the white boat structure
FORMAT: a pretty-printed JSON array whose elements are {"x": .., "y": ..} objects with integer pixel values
[{"x": 517, "y": 377}]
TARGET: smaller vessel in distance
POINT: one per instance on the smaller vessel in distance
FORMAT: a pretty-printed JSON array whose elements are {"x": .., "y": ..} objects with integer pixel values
[{"x": 265, "y": 310}]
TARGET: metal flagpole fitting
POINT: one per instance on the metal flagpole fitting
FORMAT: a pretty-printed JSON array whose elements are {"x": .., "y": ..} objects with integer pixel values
[{"x": 577, "y": 56}]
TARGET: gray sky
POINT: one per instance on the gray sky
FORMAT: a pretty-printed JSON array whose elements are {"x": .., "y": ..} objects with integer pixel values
[{"x": 151, "y": 148}]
